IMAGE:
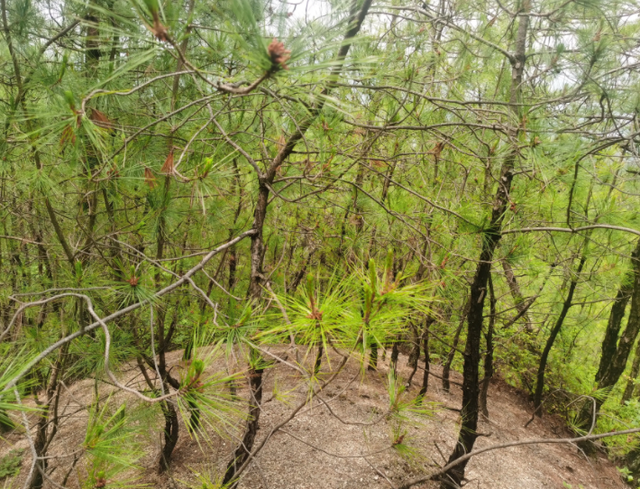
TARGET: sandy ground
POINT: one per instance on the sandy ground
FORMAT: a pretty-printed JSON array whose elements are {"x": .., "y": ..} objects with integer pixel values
[{"x": 349, "y": 448}]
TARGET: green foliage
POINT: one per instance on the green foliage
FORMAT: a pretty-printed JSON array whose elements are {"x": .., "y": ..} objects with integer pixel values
[
  {"x": 404, "y": 410},
  {"x": 10, "y": 368},
  {"x": 126, "y": 157},
  {"x": 207, "y": 392},
  {"x": 626, "y": 474},
  {"x": 112, "y": 446},
  {"x": 10, "y": 464}
]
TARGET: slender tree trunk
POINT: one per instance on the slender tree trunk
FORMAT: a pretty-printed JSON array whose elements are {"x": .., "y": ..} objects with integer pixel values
[
  {"x": 617, "y": 362},
  {"x": 568, "y": 302},
  {"x": 233, "y": 255},
  {"x": 427, "y": 361},
  {"x": 446, "y": 369},
  {"x": 606, "y": 378},
  {"x": 395, "y": 352},
  {"x": 610, "y": 342},
  {"x": 300, "y": 274},
  {"x": 171, "y": 427},
  {"x": 265, "y": 181},
  {"x": 318, "y": 362},
  {"x": 633, "y": 377},
  {"x": 490, "y": 239},
  {"x": 515, "y": 292},
  {"x": 414, "y": 354},
  {"x": 47, "y": 425},
  {"x": 89, "y": 201},
  {"x": 243, "y": 451},
  {"x": 488, "y": 356},
  {"x": 628, "y": 337},
  {"x": 30, "y": 129},
  {"x": 171, "y": 433}
]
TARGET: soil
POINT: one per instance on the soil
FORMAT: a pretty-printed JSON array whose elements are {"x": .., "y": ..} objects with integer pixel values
[{"x": 348, "y": 446}]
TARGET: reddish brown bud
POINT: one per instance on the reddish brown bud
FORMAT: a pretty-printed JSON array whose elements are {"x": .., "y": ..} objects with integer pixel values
[
  {"x": 68, "y": 136},
  {"x": 149, "y": 178},
  {"x": 101, "y": 120},
  {"x": 278, "y": 54},
  {"x": 158, "y": 29},
  {"x": 167, "y": 168}
]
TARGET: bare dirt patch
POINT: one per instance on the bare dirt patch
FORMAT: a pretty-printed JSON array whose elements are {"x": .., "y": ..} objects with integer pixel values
[{"x": 351, "y": 447}]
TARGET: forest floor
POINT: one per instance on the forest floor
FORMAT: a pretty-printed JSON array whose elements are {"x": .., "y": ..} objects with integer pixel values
[{"x": 316, "y": 450}]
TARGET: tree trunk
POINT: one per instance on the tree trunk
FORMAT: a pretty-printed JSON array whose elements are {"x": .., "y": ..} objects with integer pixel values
[
  {"x": 241, "y": 455},
  {"x": 233, "y": 256},
  {"x": 633, "y": 376},
  {"x": 610, "y": 349},
  {"x": 265, "y": 180},
  {"x": 610, "y": 341},
  {"x": 615, "y": 353},
  {"x": 515, "y": 292},
  {"x": 490, "y": 239},
  {"x": 488, "y": 357},
  {"x": 568, "y": 302},
  {"x": 427, "y": 361},
  {"x": 446, "y": 385},
  {"x": 47, "y": 426},
  {"x": 170, "y": 435},
  {"x": 373, "y": 357},
  {"x": 414, "y": 355},
  {"x": 395, "y": 352},
  {"x": 618, "y": 362}
]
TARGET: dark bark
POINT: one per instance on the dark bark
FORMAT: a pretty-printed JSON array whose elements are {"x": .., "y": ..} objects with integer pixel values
[
  {"x": 171, "y": 425},
  {"x": 233, "y": 256},
  {"x": 47, "y": 426},
  {"x": 92, "y": 43},
  {"x": 20, "y": 101},
  {"x": 300, "y": 274},
  {"x": 490, "y": 239},
  {"x": 395, "y": 352},
  {"x": 116, "y": 250},
  {"x": 170, "y": 435},
  {"x": 633, "y": 376},
  {"x": 427, "y": 361},
  {"x": 618, "y": 362},
  {"x": 515, "y": 293},
  {"x": 265, "y": 180},
  {"x": 414, "y": 354},
  {"x": 568, "y": 302},
  {"x": 470, "y": 384},
  {"x": 488, "y": 356},
  {"x": 257, "y": 240},
  {"x": 605, "y": 379},
  {"x": 615, "y": 352},
  {"x": 610, "y": 341},
  {"x": 446, "y": 369},
  {"x": 243, "y": 451}
]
